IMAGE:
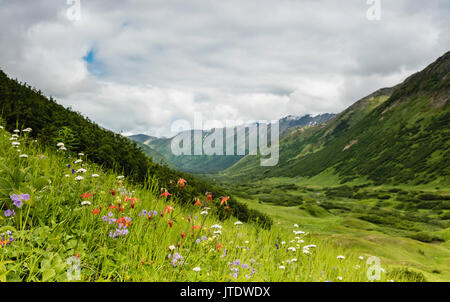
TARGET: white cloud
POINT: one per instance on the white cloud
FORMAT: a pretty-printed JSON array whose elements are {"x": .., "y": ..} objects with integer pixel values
[{"x": 158, "y": 61}]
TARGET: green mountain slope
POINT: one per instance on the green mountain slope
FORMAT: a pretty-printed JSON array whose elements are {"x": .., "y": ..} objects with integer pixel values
[{"x": 395, "y": 135}]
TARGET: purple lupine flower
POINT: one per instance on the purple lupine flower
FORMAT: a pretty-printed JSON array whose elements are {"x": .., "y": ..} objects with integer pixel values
[
  {"x": 276, "y": 244},
  {"x": 68, "y": 166},
  {"x": 25, "y": 197},
  {"x": 16, "y": 200},
  {"x": 177, "y": 260},
  {"x": 73, "y": 171},
  {"x": 9, "y": 213},
  {"x": 198, "y": 240}
]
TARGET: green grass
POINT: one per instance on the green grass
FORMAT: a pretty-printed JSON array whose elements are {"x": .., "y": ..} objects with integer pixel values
[
  {"x": 52, "y": 227},
  {"x": 329, "y": 215}
]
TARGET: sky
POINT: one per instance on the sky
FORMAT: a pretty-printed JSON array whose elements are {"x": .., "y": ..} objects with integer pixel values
[{"x": 137, "y": 66}]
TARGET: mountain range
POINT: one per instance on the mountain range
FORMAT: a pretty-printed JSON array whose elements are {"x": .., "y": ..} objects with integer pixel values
[
  {"x": 160, "y": 148},
  {"x": 394, "y": 135}
]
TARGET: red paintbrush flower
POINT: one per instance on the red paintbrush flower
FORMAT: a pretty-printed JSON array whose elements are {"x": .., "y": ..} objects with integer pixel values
[
  {"x": 224, "y": 200},
  {"x": 181, "y": 182},
  {"x": 208, "y": 196},
  {"x": 95, "y": 212},
  {"x": 86, "y": 195},
  {"x": 168, "y": 209},
  {"x": 219, "y": 246},
  {"x": 198, "y": 202},
  {"x": 227, "y": 208},
  {"x": 124, "y": 221},
  {"x": 195, "y": 227},
  {"x": 133, "y": 202},
  {"x": 183, "y": 234},
  {"x": 113, "y": 192},
  {"x": 170, "y": 223},
  {"x": 165, "y": 194},
  {"x": 112, "y": 207}
]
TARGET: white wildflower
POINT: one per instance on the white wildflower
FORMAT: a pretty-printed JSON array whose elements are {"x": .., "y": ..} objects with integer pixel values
[
  {"x": 237, "y": 223},
  {"x": 361, "y": 258},
  {"x": 78, "y": 161},
  {"x": 204, "y": 213},
  {"x": 120, "y": 177},
  {"x": 81, "y": 170},
  {"x": 295, "y": 225},
  {"x": 15, "y": 144},
  {"x": 79, "y": 178},
  {"x": 282, "y": 267},
  {"x": 27, "y": 130},
  {"x": 339, "y": 278},
  {"x": 16, "y": 131},
  {"x": 95, "y": 175},
  {"x": 83, "y": 203},
  {"x": 23, "y": 156},
  {"x": 291, "y": 248},
  {"x": 80, "y": 154},
  {"x": 171, "y": 247},
  {"x": 216, "y": 226},
  {"x": 196, "y": 269},
  {"x": 340, "y": 257},
  {"x": 60, "y": 145},
  {"x": 218, "y": 232}
]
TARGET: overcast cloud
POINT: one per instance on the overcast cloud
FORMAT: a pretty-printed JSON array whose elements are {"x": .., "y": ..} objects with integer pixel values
[{"x": 136, "y": 66}]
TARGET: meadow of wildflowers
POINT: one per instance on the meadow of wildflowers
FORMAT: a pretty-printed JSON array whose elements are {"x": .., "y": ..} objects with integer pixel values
[{"x": 56, "y": 207}]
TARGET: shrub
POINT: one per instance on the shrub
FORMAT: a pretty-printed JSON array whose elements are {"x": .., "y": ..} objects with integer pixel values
[{"x": 405, "y": 274}]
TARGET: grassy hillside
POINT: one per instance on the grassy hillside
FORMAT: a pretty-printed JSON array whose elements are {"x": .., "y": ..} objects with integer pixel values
[
  {"x": 395, "y": 135},
  {"x": 22, "y": 106},
  {"x": 57, "y": 224}
]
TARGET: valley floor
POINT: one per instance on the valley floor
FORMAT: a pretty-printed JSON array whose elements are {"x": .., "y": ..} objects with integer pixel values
[{"x": 405, "y": 226}]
